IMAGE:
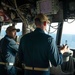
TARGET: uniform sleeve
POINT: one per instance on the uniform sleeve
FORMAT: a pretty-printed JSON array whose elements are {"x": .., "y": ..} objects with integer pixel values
[
  {"x": 54, "y": 55},
  {"x": 13, "y": 46},
  {"x": 19, "y": 58}
]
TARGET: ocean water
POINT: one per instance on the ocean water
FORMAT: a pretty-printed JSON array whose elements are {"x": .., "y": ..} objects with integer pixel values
[{"x": 70, "y": 40}]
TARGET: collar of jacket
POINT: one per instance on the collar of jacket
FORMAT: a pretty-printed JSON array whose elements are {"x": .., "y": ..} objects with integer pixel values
[
  {"x": 39, "y": 30},
  {"x": 8, "y": 36}
]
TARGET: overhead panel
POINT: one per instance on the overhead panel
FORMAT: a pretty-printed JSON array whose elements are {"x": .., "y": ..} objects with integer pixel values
[
  {"x": 48, "y": 7},
  {"x": 69, "y": 9}
]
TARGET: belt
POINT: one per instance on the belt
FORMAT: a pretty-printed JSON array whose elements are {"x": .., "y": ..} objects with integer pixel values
[
  {"x": 35, "y": 68},
  {"x": 3, "y": 63}
]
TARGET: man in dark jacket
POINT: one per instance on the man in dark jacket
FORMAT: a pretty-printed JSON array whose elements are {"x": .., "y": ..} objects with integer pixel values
[
  {"x": 37, "y": 48},
  {"x": 9, "y": 48}
]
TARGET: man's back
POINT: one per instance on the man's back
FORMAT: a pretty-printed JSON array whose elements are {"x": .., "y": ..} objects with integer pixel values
[
  {"x": 9, "y": 49},
  {"x": 35, "y": 47},
  {"x": 38, "y": 49}
]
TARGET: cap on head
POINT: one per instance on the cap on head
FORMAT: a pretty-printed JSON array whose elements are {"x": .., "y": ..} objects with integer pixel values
[
  {"x": 11, "y": 28},
  {"x": 42, "y": 17}
]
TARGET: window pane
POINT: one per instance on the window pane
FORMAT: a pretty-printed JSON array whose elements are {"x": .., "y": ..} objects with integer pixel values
[
  {"x": 68, "y": 34},
  {"x": 4, "y": 27},
  {"x": 53, "y": 30},
  {"x": 19, "y": 26}
]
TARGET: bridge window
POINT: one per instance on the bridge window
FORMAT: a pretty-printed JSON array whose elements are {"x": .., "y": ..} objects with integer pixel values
[
  {"x": 68, "y": 33},
  {"x": 53, "y": 30},
  {"x": 3, "y": 29}
]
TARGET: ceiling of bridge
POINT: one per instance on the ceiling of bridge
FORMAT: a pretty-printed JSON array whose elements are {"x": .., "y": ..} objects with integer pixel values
[
  {"x": 8, "y": 9},
  {"x": 17, "y": 10}
]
